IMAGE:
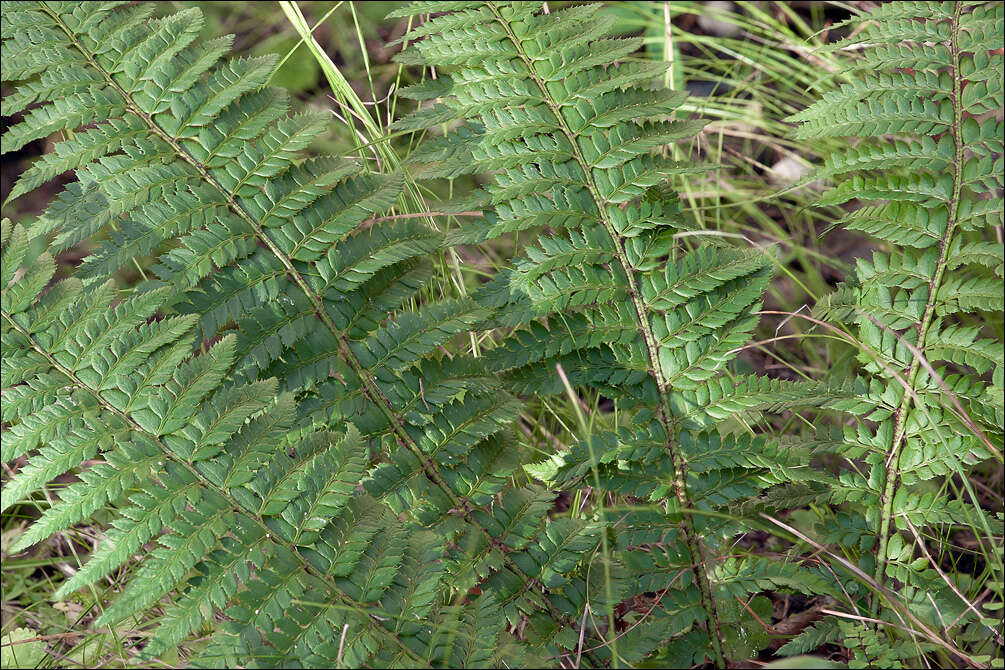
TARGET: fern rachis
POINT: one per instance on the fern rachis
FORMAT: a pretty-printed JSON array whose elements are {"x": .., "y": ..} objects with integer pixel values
[{"x": 649, "y": 339}]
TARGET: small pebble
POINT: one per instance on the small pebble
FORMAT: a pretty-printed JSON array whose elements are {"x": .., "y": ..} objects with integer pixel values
[{"x": 788, "y": 171}]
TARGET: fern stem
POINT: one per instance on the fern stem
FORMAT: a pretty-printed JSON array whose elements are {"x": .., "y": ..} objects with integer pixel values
[
  {"x": 307, "y": 567},
  {"x": 370, "y": 388},
  {"x": 666, "y": 418},
  {"x": 421, "y": 215},
  {"x": 892, "y": 463}
]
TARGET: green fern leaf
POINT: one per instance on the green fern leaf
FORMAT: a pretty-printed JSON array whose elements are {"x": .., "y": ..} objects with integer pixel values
[{"x": 923, "y": 76}]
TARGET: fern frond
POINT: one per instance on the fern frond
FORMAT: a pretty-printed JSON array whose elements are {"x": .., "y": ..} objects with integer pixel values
[
  {"x": 274, "y": 258},
  {"x": 928, "y": 160},
  {"x": 573, "y": 138}
]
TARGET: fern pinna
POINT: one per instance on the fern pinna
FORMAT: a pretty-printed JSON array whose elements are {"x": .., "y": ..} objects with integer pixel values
[
  {"x": 610, "y": 296},
  {"x": 279, "y": 356},
  {"x": 925, "y": 98}
]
